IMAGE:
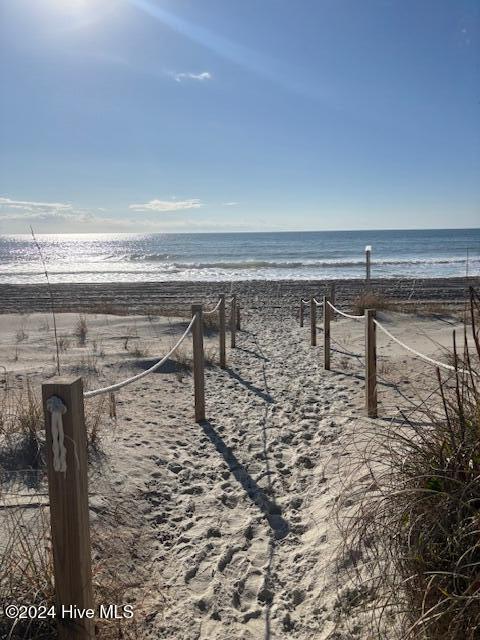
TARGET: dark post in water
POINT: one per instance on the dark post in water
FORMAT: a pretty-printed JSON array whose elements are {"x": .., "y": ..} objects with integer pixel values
[{"x": 368, "y": 251}]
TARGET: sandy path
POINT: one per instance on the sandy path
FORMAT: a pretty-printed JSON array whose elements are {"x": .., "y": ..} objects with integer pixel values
[{"x": 238, "y": 504}]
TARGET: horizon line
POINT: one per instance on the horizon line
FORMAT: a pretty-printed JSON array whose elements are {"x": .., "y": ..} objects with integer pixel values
[{"x": 182, "y": 232}]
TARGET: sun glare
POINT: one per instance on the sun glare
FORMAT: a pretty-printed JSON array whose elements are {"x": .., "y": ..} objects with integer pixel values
[
  {"x": 73, "y": 5},
  {"x": 79, "y": 10}
]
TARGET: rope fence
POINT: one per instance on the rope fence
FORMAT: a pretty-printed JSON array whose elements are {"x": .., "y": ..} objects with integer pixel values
[
  {"x": 215, "y": 308},
  {"x": 342, "y": 313},
  {"x": 67, "y": 466},
  {"x": 157, "y": 365},
  {"x": 371, "y": 323}
]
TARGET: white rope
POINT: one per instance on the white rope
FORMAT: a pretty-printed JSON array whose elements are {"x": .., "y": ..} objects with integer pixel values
[
  {"x": 319, "y": 304},
  {"x": 57, "y": 409},
  {"x": 302, "y": 301},
  {"x": 119, "y": 385},
  {"x": 417, "y": 353},
  {"x": 206, "y": 313},
  {"x": 345, "y": 315}
]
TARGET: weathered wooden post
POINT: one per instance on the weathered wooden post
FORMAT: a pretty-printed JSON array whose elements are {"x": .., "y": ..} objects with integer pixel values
[
  {"x": 221, "y": 332},
  {"x": 370, "y": 364},
  {"x": 326, "y": 333},
  {"x": 198, "y": 363},
  {"x": 66, "y": 445},
  {"x": 301, "y": 312},
  {"x": 233, "y": 321},
  {"x": 332, "y": 294},
  {"x": 238, "y": 317},
  {"x": 313, "y": 322}
]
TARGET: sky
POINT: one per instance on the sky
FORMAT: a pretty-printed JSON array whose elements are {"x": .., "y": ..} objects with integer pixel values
[{"x": 239, "y": 115}]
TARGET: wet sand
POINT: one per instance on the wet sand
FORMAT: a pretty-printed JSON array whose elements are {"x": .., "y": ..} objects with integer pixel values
[{"x": 143, "y": 297}]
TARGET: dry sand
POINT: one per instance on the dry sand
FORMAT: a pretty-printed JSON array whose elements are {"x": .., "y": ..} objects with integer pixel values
[{"x": 236, "y": 515}]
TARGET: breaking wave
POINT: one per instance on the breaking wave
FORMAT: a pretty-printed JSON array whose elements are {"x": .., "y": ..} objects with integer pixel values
[{"x": 285, "y": 264}]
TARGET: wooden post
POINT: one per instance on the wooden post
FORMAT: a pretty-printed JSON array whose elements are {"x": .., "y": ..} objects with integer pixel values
[
  {"x": 68, "y": 493},
  {"x": 301, "y": 312},
  {"x": 221, "y": 332},
  {"x": 326, "y": 333},
  {"x": 332, "y": 294},
  {"x": 313, "y": 322},
  {"x": 370, "y": 364},
  {"x": 368, "y": 250},
  {"x": 238, "y": 318},
  {"x": 233, "y": 321},
  {"x": 198, "y": 363}
]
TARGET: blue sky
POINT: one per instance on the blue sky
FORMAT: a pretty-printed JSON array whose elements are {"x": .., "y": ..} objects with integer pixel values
[{"x": 204, "y": 115}]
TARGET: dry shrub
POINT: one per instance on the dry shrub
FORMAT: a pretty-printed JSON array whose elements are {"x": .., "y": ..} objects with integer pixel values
[
  {"x": 414, "y": 532},
  {"x": 139, "y": 350},
  {"x": 211, "y": 322},
  {"x": 95, "y": 413},
  {"x": 183, "y": 358},
  {"x": 22, "y": 428},
  {"x": 81, "y": 331},
  {"x": 87, "y": 366},
  {"x": 27, "y": 574},
  {"x": 63, "y": 344},
  {"x": 369, "y": 300}
]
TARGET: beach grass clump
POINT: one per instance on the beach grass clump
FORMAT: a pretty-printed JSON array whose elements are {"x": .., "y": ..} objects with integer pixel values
[
  {"x": 63, "y": 344},
  {"x": 81, "y": 331},
  {"x": 27, "y": 574},
  {"x": 369, "y": 300},
  {"x": 417, "y": 520},
  {"x": 22, "y": 428},
  {"x": 183, "y": 358},
  {"x": 140, "y": 350},
  {"x": 211, "y": 322}
]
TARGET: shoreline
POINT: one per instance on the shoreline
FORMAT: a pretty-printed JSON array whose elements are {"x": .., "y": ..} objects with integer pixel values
[{"x": 136, "y": 297}]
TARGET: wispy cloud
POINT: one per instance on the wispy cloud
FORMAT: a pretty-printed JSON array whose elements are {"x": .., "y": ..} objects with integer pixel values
[
  {"x": 229, "y": 204},
  {"x": 30, "y": 206},
  {"x": 65, "y": 217},
  {"x": 199, "y": 77},
  {"x": 165, "y": 206},
  {"x": 32, "y": 211}
]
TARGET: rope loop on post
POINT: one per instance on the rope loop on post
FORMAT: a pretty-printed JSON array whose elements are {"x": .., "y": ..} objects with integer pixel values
[{"x": 57, "y": 408}]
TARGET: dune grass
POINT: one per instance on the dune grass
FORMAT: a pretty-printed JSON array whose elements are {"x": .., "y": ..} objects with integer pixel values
[{"x": 414, "y": 533}]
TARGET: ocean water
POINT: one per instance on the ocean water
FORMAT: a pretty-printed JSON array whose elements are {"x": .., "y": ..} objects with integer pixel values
[{"x": 240, "y": 256}]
